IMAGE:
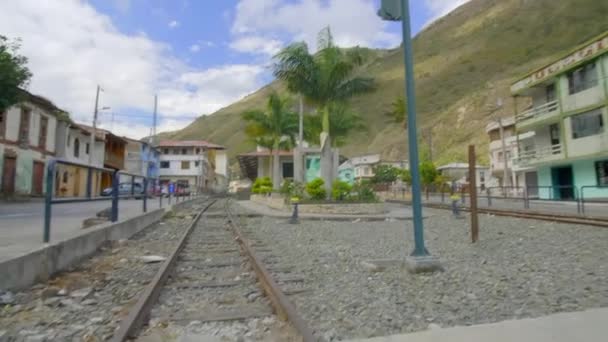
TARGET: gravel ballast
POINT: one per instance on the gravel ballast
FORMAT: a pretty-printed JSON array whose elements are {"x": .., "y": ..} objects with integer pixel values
[{"x": 520, "y": 268}]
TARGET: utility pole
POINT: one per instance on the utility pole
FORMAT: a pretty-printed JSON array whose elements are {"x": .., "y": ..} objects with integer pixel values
[
  {"x": 473, "y": 194},
  {"x": 94, "y": 133},
  {"x": 154, "y": 120},
  {"x": 430, "y": 138},
  {"x": 505, "y": 172}
]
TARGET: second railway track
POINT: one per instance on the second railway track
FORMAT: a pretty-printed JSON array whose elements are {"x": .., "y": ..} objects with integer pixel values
[{"x": 214, "y": 286}]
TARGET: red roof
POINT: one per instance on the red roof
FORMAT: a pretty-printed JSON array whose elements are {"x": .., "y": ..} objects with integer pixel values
[
  {"x": 266, "y": 153},
  {"x": 190, "y": 143}
]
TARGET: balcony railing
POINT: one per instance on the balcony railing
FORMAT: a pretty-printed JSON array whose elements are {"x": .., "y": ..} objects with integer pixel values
[
  {"x": 538, "y": 155},
  {"x": 538, "y": 112},
  {"x": 114, "y": 161}
]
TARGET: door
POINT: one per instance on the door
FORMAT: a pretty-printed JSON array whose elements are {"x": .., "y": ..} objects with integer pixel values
[
  {"x": 532, "y": 184},
  {"x": 8, "y": 175},
  {"x": 76, "y": 180},
  {"x": 37, "y": 178},
  {"x": 563, "y": 181},
  {"x": 555, "y": 138}
]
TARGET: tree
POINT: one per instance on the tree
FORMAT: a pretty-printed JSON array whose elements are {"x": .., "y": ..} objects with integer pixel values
[
  {"x": 398, "y": 111},
  {"x": 342, "y": 122},
  {"x": 14, "y": 73},
  {"x": 274, "y": 129},
  {"x": 323, "y": 80},
  {"x": 428, "y": 173},
  {"x": 385, "y": 174}
]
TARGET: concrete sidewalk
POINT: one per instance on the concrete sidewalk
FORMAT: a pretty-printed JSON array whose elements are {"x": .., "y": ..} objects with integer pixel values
[
  {"x": 585, "y": 326},
  {"x": 395, "y": 212}
]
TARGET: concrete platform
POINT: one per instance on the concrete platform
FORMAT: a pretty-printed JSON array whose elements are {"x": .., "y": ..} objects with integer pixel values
[
  {"x": 395, "y": 212},
  {"x": 587, "y": 326}
]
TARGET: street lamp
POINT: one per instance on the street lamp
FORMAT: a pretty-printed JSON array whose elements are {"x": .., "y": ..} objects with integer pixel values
[{"x": 420, "y": 260}]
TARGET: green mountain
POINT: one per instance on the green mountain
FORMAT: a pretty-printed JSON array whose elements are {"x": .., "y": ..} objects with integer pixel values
[{"x": 464, "y": 62}]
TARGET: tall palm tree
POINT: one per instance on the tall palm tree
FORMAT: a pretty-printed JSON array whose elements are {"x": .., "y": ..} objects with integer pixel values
[
  {"x": 342, "y": 122},
  {"x": 274, "y": 129},
  {"x": 322, "y": 79}
]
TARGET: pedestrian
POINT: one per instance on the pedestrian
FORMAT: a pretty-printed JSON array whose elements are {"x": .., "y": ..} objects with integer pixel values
[{"x": 455, "y": 198}]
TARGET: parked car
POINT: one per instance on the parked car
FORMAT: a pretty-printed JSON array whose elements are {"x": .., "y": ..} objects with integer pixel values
[
  {"x": 124, "y": 189},
  {"x": 182, "y": 190}
]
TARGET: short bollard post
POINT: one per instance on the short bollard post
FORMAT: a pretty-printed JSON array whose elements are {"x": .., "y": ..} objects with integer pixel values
[{"x": 294, "y": 216}]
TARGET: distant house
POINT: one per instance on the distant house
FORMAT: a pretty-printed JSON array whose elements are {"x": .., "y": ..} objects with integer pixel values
[
  {"x": 142, "y": 159},
  {"x": 193, "y": 163},
  {"x": 459, "y": 173},
  {"x": 362, "y": 167},
  {"x": 27, "y": 141},
  {"x": 115, "y": 149},
  {"x": 74, "y": 144}
]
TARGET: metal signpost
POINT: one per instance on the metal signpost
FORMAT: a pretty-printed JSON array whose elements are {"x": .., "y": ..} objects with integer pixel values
[{"x": 420, "y": 260}]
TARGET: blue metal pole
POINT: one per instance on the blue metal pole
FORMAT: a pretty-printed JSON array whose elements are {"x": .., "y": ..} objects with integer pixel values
[
  {"x": 48, "y": 197},
  {"x": 115, "y": 179},
  {"x": 89, "y": 181},
  {"x": 419, "y": 249},
  {"x": 160, "y": 195},
  {"x": 145, "y": 195}
]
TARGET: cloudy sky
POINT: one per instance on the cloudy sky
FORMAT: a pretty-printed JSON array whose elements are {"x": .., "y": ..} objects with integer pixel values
[{"x": 197, "y": 55}]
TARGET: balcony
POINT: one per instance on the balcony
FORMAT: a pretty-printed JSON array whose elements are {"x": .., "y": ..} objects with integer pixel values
[
  {"x": 114, "y": 161},
  {"x": 538, "y": 155},
  {"x": 539, "y": 112}
]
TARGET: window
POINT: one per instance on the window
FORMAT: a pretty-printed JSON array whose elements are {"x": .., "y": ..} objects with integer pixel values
[
  {"x": 197, "y": 163},
  {"x": 24, "y": 126},
  {"x": 185, "y": 165},
  {"x": 582, "y": 78},
  {"x": 184, "y": 151},
  {"x": 198, "y": 151},
  {"x": 2, "y": 123},
  {"x": 165, "y": 164},
  {"x": 87, "y": 148},
  {"x": 76, "y": 148},
  {"x": 550, "y": 92},
  {"x": 175, "y": 151},
  {"x": 601, "y": 169},
  {"x": 65, "y": 177},
  {"x": 587, "y": 124},
  {"x": 44, "y": 123},
  {"x": 165, "y": 151}
]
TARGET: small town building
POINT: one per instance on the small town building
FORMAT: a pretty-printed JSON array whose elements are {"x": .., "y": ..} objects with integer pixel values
[
  {"x": 27, "y": 141},
  {"x": 74, "y": 144},
  {"x": 258, "y": 164},
  {"x": 362, "y": 167},
  {"x": 142, "y": 159},
  {"x": 459, "y": 174},
  {"x": 565, "y": 123},
  {"x": 115, "y": 150},
  {"x": 196, "y": 164}
]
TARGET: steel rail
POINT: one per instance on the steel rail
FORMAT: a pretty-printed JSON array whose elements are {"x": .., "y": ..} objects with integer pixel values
[
  {"x": 281, "y": 304},
  {"x": 140, "y": 312}
]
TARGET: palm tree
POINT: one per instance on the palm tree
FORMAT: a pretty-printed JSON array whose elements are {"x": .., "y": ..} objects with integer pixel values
[
  {"x": 322, "y": 79},
  {"x": 273, "y": 129},
  {"x": 398, "y": 111},
  {"x": 342, "y": 122}
]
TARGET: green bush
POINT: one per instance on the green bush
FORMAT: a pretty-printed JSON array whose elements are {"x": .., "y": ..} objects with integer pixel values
[
  {"x": 364, "y": 192},
  {"x": 291, "y": 189},
  {"x": 262, "y": 186},
  {"x": 385, "y": 174},
  {"x": 340, "y": 190},
  {"x": 315, "y": 189}
]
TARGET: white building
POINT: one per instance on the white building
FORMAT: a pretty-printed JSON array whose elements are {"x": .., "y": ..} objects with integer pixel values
[
  {"x": 27, "y": 141},
  {"x": 567, "y": 141},
  {"x": 459, "y": 173},
  {"x": 197, "y": 164}
]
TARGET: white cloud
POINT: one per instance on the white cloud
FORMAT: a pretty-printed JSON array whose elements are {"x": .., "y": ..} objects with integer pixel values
[
  {"x": 439, "y": 8},
  {"x": 72, "y": 48},
  {"x": 173, "y": 24},
  {"x": 256, "y": 45},
  {"x": 353, "y": 22},
  {"x": 195, "y": 48}
]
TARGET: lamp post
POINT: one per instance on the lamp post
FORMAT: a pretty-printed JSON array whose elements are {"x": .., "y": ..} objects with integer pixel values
[{"x": 420, "y": 260}]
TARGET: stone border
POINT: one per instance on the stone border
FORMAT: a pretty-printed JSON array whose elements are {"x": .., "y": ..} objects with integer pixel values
[
  {"x": 277, "y": 202},
  {"x": 40, "y": 264}
]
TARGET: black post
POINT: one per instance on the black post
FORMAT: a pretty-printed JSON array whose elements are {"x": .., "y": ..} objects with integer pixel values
[
  {"x": 488, "y": 193},
  {"x": 294, "y": 216},
  {"x": 89, "y": 182},
  {"x": 132, "y": 186},
  {"x": 115, "y": 195},
  {"x": 145, "y": 195},
  {"x": 48, "y": 197}
]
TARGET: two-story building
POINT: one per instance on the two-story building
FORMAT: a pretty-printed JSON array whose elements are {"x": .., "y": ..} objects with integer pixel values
[
  {"x": 74, "y": 144},
  {"x": 196, "y": 164},
  {"x": 114, "y": 152},
  {"x": 566, "y": 141},
  {"x": 363, "y": 167},
  {"x": 27, "y": 141},
  {"x": 142, "y": 158},
  {"x": 459, "y": 174}
]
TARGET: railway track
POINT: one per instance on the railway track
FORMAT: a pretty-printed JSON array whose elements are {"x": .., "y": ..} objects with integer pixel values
[
  {"x": 214, "y": 284},
  {"x": 574, "y": 219}
]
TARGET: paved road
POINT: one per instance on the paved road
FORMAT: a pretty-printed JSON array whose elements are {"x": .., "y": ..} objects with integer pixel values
[{"x": 21, "y": 223}]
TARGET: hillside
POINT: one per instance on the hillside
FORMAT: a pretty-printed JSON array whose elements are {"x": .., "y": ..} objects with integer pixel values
[{"x": 464, "y": 62}]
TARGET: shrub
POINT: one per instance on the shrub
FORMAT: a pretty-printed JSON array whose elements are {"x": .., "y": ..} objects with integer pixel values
[
  {"x": 291, "y": 189},
  {"x": 340, "y": 190},
  {"x": 385, "y": 174},
  {"x": 262, "y": 186},
  {"x": 364, "y": 192},
  {"x": 315, "y": 189},
  {"x": 406, "y": 176}
]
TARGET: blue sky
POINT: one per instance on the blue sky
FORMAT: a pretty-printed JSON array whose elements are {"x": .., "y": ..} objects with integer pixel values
[{"x": 197, "y": 55}]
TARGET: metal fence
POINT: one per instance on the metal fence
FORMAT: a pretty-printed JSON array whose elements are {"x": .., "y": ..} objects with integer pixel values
[
  {"x": 542, "y": 198},
  {"x": 150, "y": 187}
]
